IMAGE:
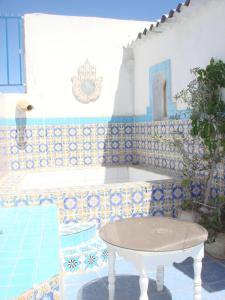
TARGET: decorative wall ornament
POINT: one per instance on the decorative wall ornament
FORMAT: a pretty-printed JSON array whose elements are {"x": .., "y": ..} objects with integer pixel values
[{"x": 85, "y": 86}]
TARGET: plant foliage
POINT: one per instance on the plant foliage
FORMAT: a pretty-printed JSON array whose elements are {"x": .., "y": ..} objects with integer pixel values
[
  {"x": 203, "y": 96},
  {"x": 207, "y": 114}
]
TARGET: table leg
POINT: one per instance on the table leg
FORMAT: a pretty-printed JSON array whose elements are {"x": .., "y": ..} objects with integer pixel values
[
  {"x": 111, "y": 274},
  {"x": 197, "y": 275},
  {"x": 143, "y": 283},
  {"x": 160, "y": 278}
]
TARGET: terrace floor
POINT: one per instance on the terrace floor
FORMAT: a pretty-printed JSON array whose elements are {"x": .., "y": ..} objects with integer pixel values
[{"x": 178, "y": 282}]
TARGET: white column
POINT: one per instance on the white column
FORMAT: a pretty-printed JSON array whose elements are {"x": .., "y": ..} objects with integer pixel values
[
  {"x": 160, "y": 278},
  {"x": 197, "y": 274},
  {"x": 111, "y": 274},
  {"x": 143, "y": 283}
]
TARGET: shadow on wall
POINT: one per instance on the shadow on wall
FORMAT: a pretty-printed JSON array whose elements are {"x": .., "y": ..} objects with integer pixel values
[
  {"x": 118, "y": 149},
  {"x": 125, "y": 87}
]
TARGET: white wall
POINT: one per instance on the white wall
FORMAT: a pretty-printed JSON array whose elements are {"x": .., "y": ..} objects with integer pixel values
[
  {"x": 190, "y": 39},
  {"x": 56, "y": 46}
]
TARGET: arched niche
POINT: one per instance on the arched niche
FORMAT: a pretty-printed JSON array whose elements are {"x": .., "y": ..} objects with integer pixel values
[{"x": 159, "y": 97}]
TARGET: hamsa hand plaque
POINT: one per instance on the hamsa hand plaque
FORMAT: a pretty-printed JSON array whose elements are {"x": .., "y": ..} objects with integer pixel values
[{"x": 86, "y": 87}]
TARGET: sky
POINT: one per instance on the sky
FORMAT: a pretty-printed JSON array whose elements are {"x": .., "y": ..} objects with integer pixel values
[{"x": 149, "y": 10}]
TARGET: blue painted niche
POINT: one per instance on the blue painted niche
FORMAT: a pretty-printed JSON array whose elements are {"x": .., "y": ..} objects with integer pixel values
[{"x": 160, "y": 78}]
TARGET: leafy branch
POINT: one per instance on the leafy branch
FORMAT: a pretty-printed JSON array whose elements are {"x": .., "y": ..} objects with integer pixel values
[{"x": 207, "y": 114}]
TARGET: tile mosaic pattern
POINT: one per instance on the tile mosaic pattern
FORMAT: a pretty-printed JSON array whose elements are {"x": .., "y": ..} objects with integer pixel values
[
  {"x": 140, "y": 143},
  {"x": 47, "y": 290},
  {"x": 107, "y": 203},
  {"x": 102, "y": 203},
  {"x": 84, "y": 258},
  {"x": 3, "y": 161},
  {"x": 153, "y": 145},
  {"x": 54, "y": 146},
  {"x": 58, "y": 146}
]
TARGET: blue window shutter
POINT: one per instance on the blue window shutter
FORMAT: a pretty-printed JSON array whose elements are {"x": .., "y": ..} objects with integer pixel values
[{"x": 11, "y": 55}]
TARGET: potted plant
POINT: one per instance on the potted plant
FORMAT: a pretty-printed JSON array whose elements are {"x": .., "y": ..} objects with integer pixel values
[{"x": 206, "y": 109}]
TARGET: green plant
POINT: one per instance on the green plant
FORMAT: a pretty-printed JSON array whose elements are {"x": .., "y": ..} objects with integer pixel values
[
  {"x": 187, "y": 204},
  {"x": 207, "y": 115},
  {"x": 213, "y": 220}
]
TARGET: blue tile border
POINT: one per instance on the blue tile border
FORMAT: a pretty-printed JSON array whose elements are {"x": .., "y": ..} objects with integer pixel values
[
  {"x": 75, "y": 121},
  {"x": 67, "y": 121}
]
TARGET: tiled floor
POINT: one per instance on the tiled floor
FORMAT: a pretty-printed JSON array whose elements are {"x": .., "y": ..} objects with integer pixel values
[
  {"x": 28, "y": 248},
  {"x": 178, "y": 282}
]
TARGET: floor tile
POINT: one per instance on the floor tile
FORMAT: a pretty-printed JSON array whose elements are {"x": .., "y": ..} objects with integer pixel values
[{"x": 178, "y": 282}]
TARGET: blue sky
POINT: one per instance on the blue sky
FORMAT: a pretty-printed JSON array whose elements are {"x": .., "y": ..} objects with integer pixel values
[{"x": 149, "y": 10}]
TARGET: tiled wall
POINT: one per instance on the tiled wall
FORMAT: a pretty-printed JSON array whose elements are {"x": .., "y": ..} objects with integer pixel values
[
  {"x": 141, "y": 143},
  {"x": 117, "y": 143},
  {"x": 3, "y": 160},
  {"x": 154, "y": 143},
  {"x": 102, "y": 203},
  {"x": 75, "y": 145},
  {"x": 112, "y": 202},
  {"x": 54, "y": 146},
  {"x": 154, "y": 146}
]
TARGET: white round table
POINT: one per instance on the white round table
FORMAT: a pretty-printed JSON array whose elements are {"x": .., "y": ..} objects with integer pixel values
[{"x": 153, "y": 242}]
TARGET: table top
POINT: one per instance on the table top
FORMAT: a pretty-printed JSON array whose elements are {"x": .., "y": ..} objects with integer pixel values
[{"x": 153, "y": 234}]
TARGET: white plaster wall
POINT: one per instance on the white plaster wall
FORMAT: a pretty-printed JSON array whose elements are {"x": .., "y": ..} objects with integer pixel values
[
  {"x": 55, "y": 46},
  {"x": 190, "y": 39}
]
